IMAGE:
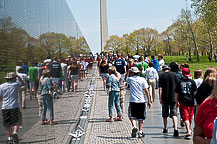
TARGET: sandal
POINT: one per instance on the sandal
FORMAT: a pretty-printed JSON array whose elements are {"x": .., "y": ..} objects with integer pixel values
[
  {"x": 118, "y": 118},
  {"x": 109, "y": 120},
  {"x": 44, "y": 122},
  {"x": 53, "y": 123}
]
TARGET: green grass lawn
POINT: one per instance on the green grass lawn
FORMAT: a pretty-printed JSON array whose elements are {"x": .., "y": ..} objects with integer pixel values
[{"x": 203, "y": 64}]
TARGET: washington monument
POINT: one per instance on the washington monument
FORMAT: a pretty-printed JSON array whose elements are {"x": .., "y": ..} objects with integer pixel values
[{"x": 103, "y": 24}]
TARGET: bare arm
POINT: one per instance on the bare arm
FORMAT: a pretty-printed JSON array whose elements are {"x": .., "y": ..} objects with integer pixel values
[
  {"x": 148, "y": 97},
  {"x": 176, "y": 98},
  {"x": 160, "y": 95},
  {"x": 198, "y": 136},
  {"x": 20, "y": 80}
]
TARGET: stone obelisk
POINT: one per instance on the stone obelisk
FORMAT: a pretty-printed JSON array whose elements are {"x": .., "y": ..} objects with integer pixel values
[{"x": 103, "y": 24}]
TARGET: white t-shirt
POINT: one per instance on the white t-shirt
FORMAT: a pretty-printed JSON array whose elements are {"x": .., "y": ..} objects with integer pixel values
[{"x": 137, "y": 86}]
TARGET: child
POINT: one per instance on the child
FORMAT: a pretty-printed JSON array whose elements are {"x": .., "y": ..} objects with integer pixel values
[{"x": 184, "y": 93}]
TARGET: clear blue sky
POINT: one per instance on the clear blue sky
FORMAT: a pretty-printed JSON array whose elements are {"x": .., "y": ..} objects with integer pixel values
[{"x": 124, "y": 16}]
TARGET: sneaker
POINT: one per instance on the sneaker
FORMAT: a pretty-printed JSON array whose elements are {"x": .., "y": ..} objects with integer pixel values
[
  {"x": 15, "y": 138},
  {"x": 176, "y": 133},
  {"x": 165, "y": 131},
  {"x": 141, "y": 134},
  {"x": 188, "y": 136},
  {"x": 134, "y": 131}
]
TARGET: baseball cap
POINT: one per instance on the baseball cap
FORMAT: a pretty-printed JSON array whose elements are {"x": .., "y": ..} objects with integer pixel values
[
  {"x": 165, "y": 67},
  {"x": 186, "y": 72}
]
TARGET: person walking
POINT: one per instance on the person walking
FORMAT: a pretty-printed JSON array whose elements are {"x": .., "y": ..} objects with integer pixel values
[
  {"x": 113, "y": 84},
  {"x": 137, "y": 105},
  {"x": 103, "y": 72},
  {"x": 11, "y": 113},
  {"x": 33, "y": 73},
  {"x": 184, "y": 94},
  {"x": 167, "y": 84},
  {"x": 73, "y": 71},
  {"x": 55, "y": 68},
  {"x": 152, "y": 77}
]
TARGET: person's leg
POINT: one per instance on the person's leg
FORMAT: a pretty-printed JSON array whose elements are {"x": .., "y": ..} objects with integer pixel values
[
  {"x": 165, "y": 121},
  {"x": 153, "y": 84},
  {"x": 133, "y": 122},
  {"x": 76, "y": 84},
  {"x": 175, "y": 122},
  {"x": 140, "y": 125},
  {"x": 111, "y": 104},
  {"x": 44, "y": 108},
  {"x": 150, "y": 91},
  {"x": 50, "y": 107},
  {"x": 117, "y": 105},
  {"x": 122, "y": 96},
  {"x": 24, "y": 97}
]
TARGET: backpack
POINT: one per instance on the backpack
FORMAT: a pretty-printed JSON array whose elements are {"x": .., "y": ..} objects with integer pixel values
[{"x": 214, "y": 134}]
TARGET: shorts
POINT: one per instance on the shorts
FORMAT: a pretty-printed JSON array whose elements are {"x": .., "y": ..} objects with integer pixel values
[
  {"x": 169, "y": 110},
  {"x": 32, "y": 84},
  {"x": 186, "y": 112},
  {"x": 104, "y": 75},
  {"x": 74, "y": 77},
  {"x": 56, "y": 80},
  {"x": 137, "y": 111},
  {"x": 11, "y": 117}
]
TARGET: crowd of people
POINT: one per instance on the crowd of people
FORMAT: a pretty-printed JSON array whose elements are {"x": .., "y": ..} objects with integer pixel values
[
  {"x": 178, "y": 91},
  {"x": 42, "y": 81},
  {"x": 195, "y": 98}
]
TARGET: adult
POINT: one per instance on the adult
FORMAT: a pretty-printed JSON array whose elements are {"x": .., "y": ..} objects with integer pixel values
[
  {"x": 11, "y": 113},
  {"x": 113, "y": 85},
  {"x": 65, "y": 81},
  {"x": 120, "y": 65},
  {"x": 205, "y": 119},
  {"x": 142, "y": 66},
  {"x": 205, "y": 89},
  {"x": 33, "y": 73},
  {"x": 155, "y": 62},
  {"x": 103, "y": 72},
  {"x": 137, "y": 105},
  {"x": 55, "y": 68},
  {"x": 167, "y": 85},
  {"x": 73, "y": 71},
  {"x": 161, "y": 63},
  {"x": 136, "y": 56},
  {"x": 25, "y": 66},
  {"x": 47, "y": 100},
  {"x": 152, "y": 77},
  {"x": 22, "y": 91}
]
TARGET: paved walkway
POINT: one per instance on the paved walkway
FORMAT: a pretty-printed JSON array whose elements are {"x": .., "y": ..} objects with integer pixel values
[
  {"x": 67, "y": 111},
  {"x": 99, "y": 131},
  {"x": 66, "y": 114}
]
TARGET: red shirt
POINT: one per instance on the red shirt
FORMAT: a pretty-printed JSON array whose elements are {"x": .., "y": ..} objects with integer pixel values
[{"x": 206, "y": 116}]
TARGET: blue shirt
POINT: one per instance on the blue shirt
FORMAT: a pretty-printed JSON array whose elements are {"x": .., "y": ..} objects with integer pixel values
[
  {"x": 9, "y": 91},
  {"x": 46, "y": 86},
  {"x": 156, "y": 64},
  {"x": 119, "y": 64},
  {"x": 113, "y": 83}
]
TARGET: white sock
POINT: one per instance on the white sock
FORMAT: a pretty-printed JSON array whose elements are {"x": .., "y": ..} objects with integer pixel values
[
  {"x": 140, "y": 131},
  {"x": 14, "y": 132},
  {"x": 134, "y": 127},
  {"x": 9, "y": 138}
]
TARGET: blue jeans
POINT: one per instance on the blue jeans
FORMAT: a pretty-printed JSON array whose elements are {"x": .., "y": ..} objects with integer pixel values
[
  {"x": 114, "y": 97},
  {"x": 47, "y": 103}
]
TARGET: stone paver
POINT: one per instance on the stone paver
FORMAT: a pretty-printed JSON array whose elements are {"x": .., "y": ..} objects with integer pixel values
[
  {"x": 66, "y": 113},
  {"x": 99, "y": 131}
]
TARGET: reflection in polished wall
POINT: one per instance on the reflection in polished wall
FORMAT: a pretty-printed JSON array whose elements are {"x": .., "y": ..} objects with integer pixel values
[{"x": 37, "y": 29}]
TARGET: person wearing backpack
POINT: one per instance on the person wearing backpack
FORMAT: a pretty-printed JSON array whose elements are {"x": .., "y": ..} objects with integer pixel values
[
  {"x": 184, "y": 94},
  {"x": 204, "y": 122}
]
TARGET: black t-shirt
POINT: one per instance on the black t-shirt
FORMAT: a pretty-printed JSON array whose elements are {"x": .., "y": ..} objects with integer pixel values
[
  {"x": 203, "y": 91},
  {"x": 74, "y": 70},
  {"x": 168, "y": 82},
  {"x": 55, "y": 69},
  {"x": 119, "y": 64},
  {"x": 186, "y": 89},
  {"x": 104, "y": 69}
]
